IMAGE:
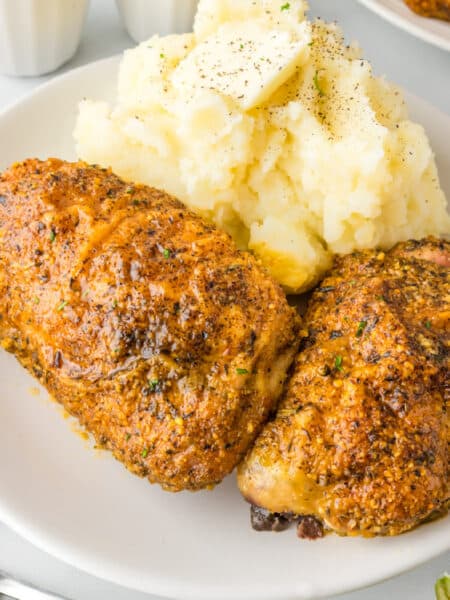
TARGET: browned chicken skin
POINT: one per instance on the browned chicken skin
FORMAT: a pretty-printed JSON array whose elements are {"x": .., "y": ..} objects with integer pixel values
[
  {"x": 361, "y": 438},
  {"x": 437, "y": 9},
  {"x": 147, "y": 323}
]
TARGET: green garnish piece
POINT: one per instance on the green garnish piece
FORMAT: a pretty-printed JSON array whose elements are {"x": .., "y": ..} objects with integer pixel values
[
  {"x": 161, "y": 55},
  {"x": 128, "y": 436},
  {"x": 361, "y": 326},
  {"x": 338, "y": 362},
  {"x": 36, "y": 300},
  {"x": 166, "y": 253},
  {"x": 242, "y": 371},
  {"x": 241, "y": 46},
  {"x": 153, "y": 384},
  {"x": 317, "y": 83},
  {"x": 428, "y": 324},
  {"x": 286, "y": 6},
  {"x": 62, "y": 306},
  {"x": 144, "y": 453},
  {"x": 442, "y": 588},
  {"x": 115, "y": 303},
  {"x": 52, "y": 236}
]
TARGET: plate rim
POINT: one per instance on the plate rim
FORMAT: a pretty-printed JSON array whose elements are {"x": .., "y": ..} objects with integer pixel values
[
  {"x": 176, "y": 590},
  {"x": 415, "y": 25},
  {"x": 161, "y": 586},
  {"x": 56, "y": 81}
]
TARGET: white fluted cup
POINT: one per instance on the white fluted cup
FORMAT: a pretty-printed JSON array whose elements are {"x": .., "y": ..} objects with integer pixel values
[
  {"x": 144, "y": 18},
  {"x": 38, "y": 36}
]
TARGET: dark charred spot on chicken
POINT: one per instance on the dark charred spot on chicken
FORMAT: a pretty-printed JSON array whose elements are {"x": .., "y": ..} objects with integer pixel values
[
  {"x": 57, "y": 361},
  {"x": 310, "y": 528},
  {"x": 335, "y": 334},
  {"x": 264, "y": 520}
]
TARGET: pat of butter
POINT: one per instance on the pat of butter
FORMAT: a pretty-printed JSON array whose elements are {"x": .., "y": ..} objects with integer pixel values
[{"x": 245, "y": 61}]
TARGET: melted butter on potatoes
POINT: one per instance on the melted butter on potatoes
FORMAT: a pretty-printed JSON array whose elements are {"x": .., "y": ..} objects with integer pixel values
[{"x": 273, "y": 128}]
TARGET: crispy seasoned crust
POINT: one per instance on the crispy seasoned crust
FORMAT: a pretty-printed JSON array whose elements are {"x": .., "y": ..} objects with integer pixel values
[
  {"x": 146, "y": 322},
  {"x": 437, "y": 9},
  {"x": 361, "y": 438}
]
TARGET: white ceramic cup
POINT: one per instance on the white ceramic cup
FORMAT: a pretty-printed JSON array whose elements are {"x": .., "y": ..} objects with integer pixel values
[
  {"x": 144, "y": 18},
  {"x": 38, "y": 36}
]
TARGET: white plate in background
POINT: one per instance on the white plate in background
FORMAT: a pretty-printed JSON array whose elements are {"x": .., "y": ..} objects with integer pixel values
[
  {"x": 84, "y": 507},
  {"x": 434, "y": 31}
]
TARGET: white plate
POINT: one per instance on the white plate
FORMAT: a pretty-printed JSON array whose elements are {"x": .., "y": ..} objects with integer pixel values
[
  {"x": 434, "y": 31},
  {"x": 85, "y": 508}
]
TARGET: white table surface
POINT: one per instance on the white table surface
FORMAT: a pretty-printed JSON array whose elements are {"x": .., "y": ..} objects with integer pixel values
[{"x": 421, "y": 68}]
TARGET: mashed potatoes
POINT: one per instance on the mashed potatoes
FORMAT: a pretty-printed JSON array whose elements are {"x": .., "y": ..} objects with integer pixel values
[{"x": 270, "y": 126}]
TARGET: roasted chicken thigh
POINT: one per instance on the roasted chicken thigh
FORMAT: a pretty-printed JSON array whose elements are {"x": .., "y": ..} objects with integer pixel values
[
  {"x": 360, "y": 442},
  {"x": 147, "y": 323}
]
